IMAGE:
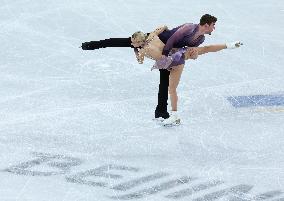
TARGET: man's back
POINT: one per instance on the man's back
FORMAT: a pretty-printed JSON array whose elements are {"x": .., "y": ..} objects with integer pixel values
[
  {"x": 165, "y": 35},
  {"x": 180, "y": 37}
]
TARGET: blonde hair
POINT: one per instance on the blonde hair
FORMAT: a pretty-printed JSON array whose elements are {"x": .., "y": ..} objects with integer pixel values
[{"x": 139, "y": 35}]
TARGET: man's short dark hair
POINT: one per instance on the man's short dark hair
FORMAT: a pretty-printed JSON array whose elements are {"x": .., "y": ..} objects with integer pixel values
[{"x": 207, "y": 19}]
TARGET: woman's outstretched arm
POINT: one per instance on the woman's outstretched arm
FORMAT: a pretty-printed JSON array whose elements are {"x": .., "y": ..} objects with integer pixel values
[{"x": 160, "y": 29}]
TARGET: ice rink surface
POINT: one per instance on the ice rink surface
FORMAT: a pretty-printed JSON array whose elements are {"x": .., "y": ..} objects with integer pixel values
[{"x": 77, "y": 125}]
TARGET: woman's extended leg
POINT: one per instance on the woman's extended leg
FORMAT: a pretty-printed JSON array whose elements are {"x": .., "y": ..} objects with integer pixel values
[
  {"x": 176, "y": 71},
  {"x": 192, "y": 53},
  {"x": 175, "y": 75},
  {"x": 111, "y": 42}
]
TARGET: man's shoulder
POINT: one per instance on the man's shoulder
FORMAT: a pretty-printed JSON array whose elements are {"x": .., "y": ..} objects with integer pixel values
[
  {"x": 190, "y": 24},
  {"x": 189, "y": 27}
]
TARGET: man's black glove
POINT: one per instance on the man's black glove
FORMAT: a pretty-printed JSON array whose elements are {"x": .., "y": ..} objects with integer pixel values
[
  {"x": 88, "y": 46},
  {"x": 166, "y": 52}
]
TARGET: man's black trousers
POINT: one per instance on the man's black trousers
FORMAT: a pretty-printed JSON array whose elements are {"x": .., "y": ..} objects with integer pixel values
[{"x": 161, "y": 109}]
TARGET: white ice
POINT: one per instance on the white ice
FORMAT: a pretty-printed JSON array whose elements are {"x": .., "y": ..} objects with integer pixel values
[{"x": 65, "y": 112}]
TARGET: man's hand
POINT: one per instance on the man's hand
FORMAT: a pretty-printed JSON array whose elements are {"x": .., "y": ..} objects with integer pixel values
[{"x": 193, "y": 53}]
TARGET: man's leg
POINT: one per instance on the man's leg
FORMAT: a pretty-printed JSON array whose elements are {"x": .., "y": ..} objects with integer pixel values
[
  {"x": 161, "y": 109},
  {"x": 111, "y": 42}
]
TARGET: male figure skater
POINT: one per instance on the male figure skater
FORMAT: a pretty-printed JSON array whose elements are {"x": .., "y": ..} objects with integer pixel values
[{"x": 189, "y": 34}]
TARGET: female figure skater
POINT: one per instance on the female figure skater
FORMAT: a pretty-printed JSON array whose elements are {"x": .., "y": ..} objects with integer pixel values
[{"x": 150, "y": 46}]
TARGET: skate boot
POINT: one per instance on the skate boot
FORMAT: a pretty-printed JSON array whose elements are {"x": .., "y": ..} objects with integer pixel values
[
  {"x": 173, "y": 120},
  {"x": 161, "y": 116}
]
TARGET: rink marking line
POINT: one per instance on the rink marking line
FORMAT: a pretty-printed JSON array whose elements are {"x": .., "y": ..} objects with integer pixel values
[
  {"x": 267, "y": 195},
  {"x": 139, "y": 181},
  {"x": 280, "y": 199},
  {"x": 63, "y": 164},
  {"x": 155, "y": 189},
  {"x": 194, "y": 189},
  {"x": 269, "y": 110},
  {"x": 256, "y": 100}
]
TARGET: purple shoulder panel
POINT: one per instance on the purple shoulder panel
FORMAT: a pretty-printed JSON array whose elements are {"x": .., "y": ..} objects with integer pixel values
[{"x": 177, "y": 36}]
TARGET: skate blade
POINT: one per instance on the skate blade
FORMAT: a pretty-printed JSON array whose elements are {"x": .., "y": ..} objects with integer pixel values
[
  {"x": 175, "y": 123},
  {"x": 158, "y": 120}
]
